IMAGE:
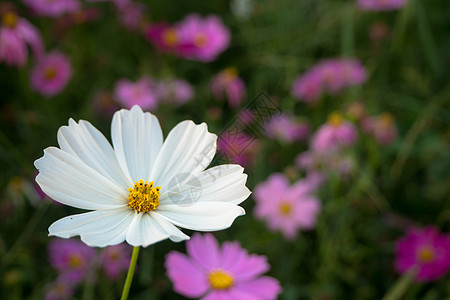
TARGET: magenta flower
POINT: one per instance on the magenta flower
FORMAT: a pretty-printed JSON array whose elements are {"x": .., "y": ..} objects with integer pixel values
[
  {"x": 286, "y": 208},
  {"x": 71, "y": 258},
  {"x": 115, "y": 260},
  {"x": 425, "y": 249},
  {"x": 15, "y": 34},
  {"x": 334, "y": 134},
  {"x": 131, "y": 14},
  {"x": 201, "y": 39},
  {"x": 51, "y": 74},
  {"x": 61, "y": 289},
  {"x": 211, "y": 272},
  {"x": 287, "y": 128},
  {"x": 380, "y": 5},
  {"x": 53, "y": 8},
  {"x": 331, "y": 75},
  {"x": 229, "y": 84},
  {"x": 238, "y": 147},
  {"x": 176, "y": 91},
  {"x": 140, "y": 93},
  {"x": 382, "y": 127},
  {"x": 164, "y": 37}
]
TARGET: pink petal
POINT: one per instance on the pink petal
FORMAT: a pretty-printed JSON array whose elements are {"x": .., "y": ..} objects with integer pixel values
[
  {"x": 204, "y": 249},
  {"x": 264, "y": 287}
]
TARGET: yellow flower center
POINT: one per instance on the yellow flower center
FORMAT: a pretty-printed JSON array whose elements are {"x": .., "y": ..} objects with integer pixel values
[
  {"x": 426, "y": 254},
  {"x": 386, "y": 119},
  {"x": 220, "y": 280},
  {"x": 49, "y": 73},
  {"x": 230, "y": 74},
  {"x": 9, "y": 19},
  {"x": 170, "y": 37},
  {"x": 74, "y": 261},
  {"x": 285, "y": 209},
  {"x": 144, "y": 196},
  {"x": 200, "y": 40},
  {"x": 335, "y": 119}
]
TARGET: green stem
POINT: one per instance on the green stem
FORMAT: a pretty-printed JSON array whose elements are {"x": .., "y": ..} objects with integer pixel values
[
  {"x": 126, "y": 287},
  {"x": 397, "y": 291}
]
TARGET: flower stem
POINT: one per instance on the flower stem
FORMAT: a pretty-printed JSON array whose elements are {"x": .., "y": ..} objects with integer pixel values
[{"x": 126, "y": 287}]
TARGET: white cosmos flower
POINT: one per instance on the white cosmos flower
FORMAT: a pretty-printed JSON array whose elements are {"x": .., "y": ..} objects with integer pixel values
[{"x": 87, "y": 172}]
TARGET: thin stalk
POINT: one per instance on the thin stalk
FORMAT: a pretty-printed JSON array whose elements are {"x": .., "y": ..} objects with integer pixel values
[{"x": 130, "y": 274}]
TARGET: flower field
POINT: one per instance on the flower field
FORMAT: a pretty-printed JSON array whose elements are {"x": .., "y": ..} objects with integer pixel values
[{"x": 246, "y": 149}]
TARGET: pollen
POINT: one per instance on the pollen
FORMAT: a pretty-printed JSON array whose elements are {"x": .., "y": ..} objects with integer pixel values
[
  {"x": 220, "y": 280},
  {"x": 426, "y": 255},
  {"x": 285, "y": 209},
  {"x": 335, "y": 119},
  {"x": 50, "y": 73},
  {"x": 200, "y": 40},
  {"x": 170, "y": 37},
  {"x": 9, "y": 19},
  {"x": 144, "y": 196}
]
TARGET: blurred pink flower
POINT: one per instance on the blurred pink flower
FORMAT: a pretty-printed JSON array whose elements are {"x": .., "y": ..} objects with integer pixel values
[
  {"x": 286, "y": 208},
  {"x": 334, "y": 134},
  {"x": 227, "y": 82},
  {"x": 238, "y": 147},
  {"x": 51, "y": 73},
  {"x": 425, "y": 249},
  {"x": 164, "y": 37},
  {"x": 287, "y": 128},
  {"x": 142, "y": 93},
  {"x": 131, "y": 14},
  {"x": 380, "y": 5},
  {"x": 176, "y": 91},
  {"x": 53, "y": 8},
  {"x": 115, "y": 260},
  {"x": 319, "y": 164},
  {"x": 382, "y": 127},
  {"x": 71, "y": 258},
  {"x": 15, "y": 34},
  {"x": 61, "y": 289},
  {"x": 202, "y": 39},
  {"x": 331, "y": 75},
  {"x": 211, "y": 272}
]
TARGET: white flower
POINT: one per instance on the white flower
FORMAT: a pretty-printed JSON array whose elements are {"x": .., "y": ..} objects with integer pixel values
[{"x": 143, "y": 188}]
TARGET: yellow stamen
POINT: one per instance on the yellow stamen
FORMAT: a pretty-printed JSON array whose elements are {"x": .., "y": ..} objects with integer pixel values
[
  {"x": 285, "y": 209},
  {"x": 144, "y": 196},
  {"x": 170, "y": 37},
  {"x": 386, "y": 119},
  {"x": 220, "y": 280},
  {"x": 50, "y": 73},
  {"x": 9, "y": 19},
  {"x": 230, "y": 73},
  {"x": 426, "y": 254},
  {"x": 74, "y": 261},
  {"x": 200, "y": 40},
  {"x": 335, "y": 119}
]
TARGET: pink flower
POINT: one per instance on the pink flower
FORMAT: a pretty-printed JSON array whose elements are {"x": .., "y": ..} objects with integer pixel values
[
  {"x": 331, "y": 75},
  {"x": 382, "y": 127},
  {"x": 115, "y": 260},
  {"x": 380, "y": 5},
  {"x": 71, "y": 258},
  {"x": 131, "y": 14},
  {"x": 177, "y": 91},
  {"x": 425, "y": 249},
  {"x": 164, "y": 37},
  {"x": 211, "y": 272},
  {"x": 61, "y": 289},
  {"x": 51, "y": 74},
  {"x": 334, "y": 134},
  {"x": 15, "y": 34},
  {"x": 227, "y": 82},
  {"x": 53, "y": 8},
  {"x": 140, "y": 93},
  {"x": 238, "y": 147},
  {"x": 286, "y": 208},
  {"x": 287, "y": 128}
]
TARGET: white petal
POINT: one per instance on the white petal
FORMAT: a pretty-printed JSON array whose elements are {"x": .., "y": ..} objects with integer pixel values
[
  {"x": 144, "y": 231},
  {"x": 68, "y": 180},
  {"x": 96, "y": 228},
  {"x": 188, "y": 149},
  {"x": 137, "y": 139},
  {"x": 225, "y": 183},
  {"x": 90, "y": 145},
  {"x": 175, "y": 234},
  {"x": 203, "y": 216}
]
